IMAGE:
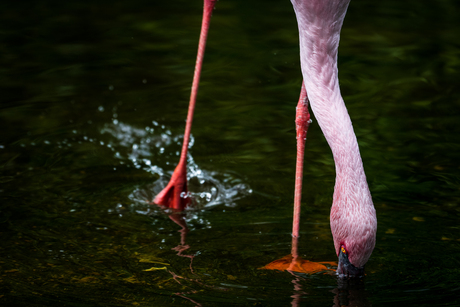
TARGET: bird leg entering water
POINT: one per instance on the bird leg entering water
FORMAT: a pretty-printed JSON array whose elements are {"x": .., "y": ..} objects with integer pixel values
[
  {"x": 175, "y": 194},
  {"x": 293, "y": 262}
]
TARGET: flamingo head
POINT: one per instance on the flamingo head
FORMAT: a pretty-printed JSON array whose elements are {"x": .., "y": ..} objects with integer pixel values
[
  {"x": 346, "y": 268},
  {"x": 354, "y": 227}
]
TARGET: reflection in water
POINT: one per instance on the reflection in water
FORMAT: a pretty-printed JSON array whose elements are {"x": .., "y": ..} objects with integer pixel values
[
  {"x": 298, "y": 292},
  {"x": 183, "y": 294},
  {"x": 206, "y": 188},
  {"x": 179, "y": 219},
  {"x": 350, "y": 292}
]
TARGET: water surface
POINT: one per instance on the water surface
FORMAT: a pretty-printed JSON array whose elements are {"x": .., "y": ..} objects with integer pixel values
[{"x": 93, "y": 105}]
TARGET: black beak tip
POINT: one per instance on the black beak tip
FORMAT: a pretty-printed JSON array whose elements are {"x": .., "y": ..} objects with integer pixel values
[{"x": 346, "y": 269}]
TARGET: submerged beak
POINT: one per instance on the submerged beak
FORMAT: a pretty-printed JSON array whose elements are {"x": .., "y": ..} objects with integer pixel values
[{"x": 345, "y": 268}]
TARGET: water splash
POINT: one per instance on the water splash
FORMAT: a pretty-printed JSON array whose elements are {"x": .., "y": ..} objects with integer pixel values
[{"x": 141, "y": 146}]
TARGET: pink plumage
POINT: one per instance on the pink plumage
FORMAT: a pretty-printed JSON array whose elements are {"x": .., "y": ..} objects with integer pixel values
[{"x": 353, "y": 218}]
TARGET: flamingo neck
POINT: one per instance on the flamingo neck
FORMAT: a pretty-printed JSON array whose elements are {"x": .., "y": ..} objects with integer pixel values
[
  {"x": 319, "y": 28},
  {"x": 353, "y": 221}
]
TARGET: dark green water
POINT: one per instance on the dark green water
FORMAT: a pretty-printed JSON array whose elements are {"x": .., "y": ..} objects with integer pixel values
[{"x": 93, "y": 103}]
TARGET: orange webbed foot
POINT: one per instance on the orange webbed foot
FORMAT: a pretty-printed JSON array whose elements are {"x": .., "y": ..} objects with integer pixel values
[{"x": 289, "y": 263}]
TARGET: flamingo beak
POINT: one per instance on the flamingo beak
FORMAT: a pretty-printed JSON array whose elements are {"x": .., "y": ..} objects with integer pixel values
[{"x": 345, "y": 268}]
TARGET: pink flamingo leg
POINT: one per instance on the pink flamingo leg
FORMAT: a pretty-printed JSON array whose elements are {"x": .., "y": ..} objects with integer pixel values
[
  {"x": 174, "y": 195},
  {"x": 302, "y": 122}
]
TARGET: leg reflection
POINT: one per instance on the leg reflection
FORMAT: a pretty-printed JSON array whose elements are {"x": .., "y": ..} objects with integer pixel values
[
  {"x": 350, "y": 292},
  {"x": 179, "y": 219}
]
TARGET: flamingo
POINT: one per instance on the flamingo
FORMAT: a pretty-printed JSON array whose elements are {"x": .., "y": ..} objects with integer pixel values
[{"x": 353, "y": 218}]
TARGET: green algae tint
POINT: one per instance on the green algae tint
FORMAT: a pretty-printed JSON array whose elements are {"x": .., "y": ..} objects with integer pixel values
[{"x": 93, "y": 103}]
